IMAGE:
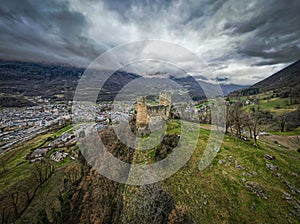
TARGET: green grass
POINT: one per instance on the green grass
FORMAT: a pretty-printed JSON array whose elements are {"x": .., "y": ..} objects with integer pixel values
[
  {"x": 15, "y": 173},
  {"x": 287, "y": 133},
  {"x": 276, "y": 105},
  {"x": 50, "y": 191},
  {"x": 267, "y": 102},
  {"x": 242, "y": 98},
  {"x": 217, "y": 194},
  {"x": 229, "y": 200},
  {"x": 67, "y": 128}
]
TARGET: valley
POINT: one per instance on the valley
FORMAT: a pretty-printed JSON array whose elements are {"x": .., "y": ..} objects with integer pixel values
[{"x": 45, "y": 178}]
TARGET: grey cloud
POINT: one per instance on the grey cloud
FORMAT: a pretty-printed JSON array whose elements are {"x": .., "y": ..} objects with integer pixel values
[
  {"x": 222, "y": 79},
  {"x": 275, "y": 33},
  {"x": 200, "y": 77},
  {"x": 47, "y": 29},
  {"x": 230, "y": 36}
]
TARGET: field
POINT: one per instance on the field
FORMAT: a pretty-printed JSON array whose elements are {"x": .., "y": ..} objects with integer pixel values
[
  {"x": 239, "y": 186},
  {"x": 19, "y": 177},
  {"x": 268, "y": 102}
]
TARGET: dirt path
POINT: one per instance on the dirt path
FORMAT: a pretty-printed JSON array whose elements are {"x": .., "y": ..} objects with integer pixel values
[{"x": 291, "y": 142}]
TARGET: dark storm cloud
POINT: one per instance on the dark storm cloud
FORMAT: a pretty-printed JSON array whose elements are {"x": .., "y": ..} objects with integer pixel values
[
  {"x": 276, "y": 33},
  {"x": 234, "y": 38},
  {"x": 123, "y": 6},
  {"x": 222, "y": 79},
  {"x": 48, "y": 30},
  {"x": 188, "y": 10}
]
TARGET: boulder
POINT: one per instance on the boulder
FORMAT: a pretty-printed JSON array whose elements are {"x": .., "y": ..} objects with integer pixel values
[{"x": 269, "y": 157}]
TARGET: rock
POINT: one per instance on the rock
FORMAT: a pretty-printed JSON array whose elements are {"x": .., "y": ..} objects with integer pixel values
[
  {"x": 257, "y": 189},
  {"x": 271, "y": 167},
  {"x": 293, "y": 174},
  {"x": 269, "y": 157},
  {"x": 230, "y": 158},
  {"x": 254, "y": 173},
  {"x": 287, "y": 196},
  {"x": 228, "y": 164},
  {"x": 205, "y": 197},
  {"x": 278, "y": 175},
  {"x": 221, "y": 161},
  {"x": 245, "y": 139},
  {"x": 239, "y": 167},
  {"x": 292, "y": 188},
  {"x": 246, "y": 174},
  {"x": 253, "y": 206},
  {"x": 244, "y": 179}
]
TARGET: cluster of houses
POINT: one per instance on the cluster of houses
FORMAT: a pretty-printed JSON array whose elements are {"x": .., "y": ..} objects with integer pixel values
[
  {"x": 58, "y": 156},
  {"x": 65, "y": 140},
  {"x": 39, "y": 115},
  {"x": 37, "y": 154},
  {"x": 17, "y": 123}
]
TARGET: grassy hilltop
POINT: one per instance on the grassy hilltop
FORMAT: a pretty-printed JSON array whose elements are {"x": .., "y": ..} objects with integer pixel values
[{"x": 240, "y": 185}]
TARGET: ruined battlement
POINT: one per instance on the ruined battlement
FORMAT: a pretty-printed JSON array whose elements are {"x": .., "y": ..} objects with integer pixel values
[
  {"x": 146, "y": 112},
  {"x": 165, "y": 99}
]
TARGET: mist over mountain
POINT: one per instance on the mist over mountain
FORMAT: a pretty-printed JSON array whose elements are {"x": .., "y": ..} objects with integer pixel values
[{"x": 59, "y": 82}]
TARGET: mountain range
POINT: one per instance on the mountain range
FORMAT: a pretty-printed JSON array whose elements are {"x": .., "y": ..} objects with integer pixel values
[
  {"x": 284, "y": 83},
  {"x": 58, "y": 82}
]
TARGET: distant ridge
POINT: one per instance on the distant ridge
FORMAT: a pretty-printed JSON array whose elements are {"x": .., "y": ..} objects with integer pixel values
[
  {"x": 284, "y": 83},
  {"x": 58, "y": 82},
  {"x": 288, "y": 77},
  {"x": 229, "y": 88}
]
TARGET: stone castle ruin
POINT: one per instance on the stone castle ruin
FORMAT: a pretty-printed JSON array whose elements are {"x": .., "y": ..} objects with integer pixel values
[{"x": 147, "y": 113}]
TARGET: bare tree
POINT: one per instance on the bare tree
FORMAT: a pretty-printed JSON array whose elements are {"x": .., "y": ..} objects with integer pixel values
[
  {"x": 73, "y": 173},
  {"x": 38, "y": 172},
  {"x": 148, "y": 204},
  {"x": 256, "y": 119},
  {"x": 13, "y": 196},
  {"x": 236, "y": 117},
  {"x": 247, "y": 123},
  {"x": 282, "y": 120},
  {"x": 42, "y": 171},
  {"x": 228, "y": 120}
]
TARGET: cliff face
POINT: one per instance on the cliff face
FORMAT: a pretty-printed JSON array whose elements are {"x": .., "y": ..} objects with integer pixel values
[
  {"x": 89, "y": 197},
  {"x": 96, "y": 199}
]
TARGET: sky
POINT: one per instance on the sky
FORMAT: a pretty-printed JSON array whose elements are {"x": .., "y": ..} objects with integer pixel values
[{"x": 242, "y": 41}]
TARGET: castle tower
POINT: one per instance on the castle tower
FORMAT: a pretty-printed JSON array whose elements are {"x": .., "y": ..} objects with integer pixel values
[
  {"x": 142, "y": 115},
  {"x": 165, "y": 99},
  {"x": 146, "y": 113}
]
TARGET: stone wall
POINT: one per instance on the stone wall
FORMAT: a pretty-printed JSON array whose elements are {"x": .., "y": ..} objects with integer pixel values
[
  {"x": 165, "y": 98},
  {"x": 158, "y": 110},
  {"x": 142, "y": 116},
  {"x": 145, "y": 112}
]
